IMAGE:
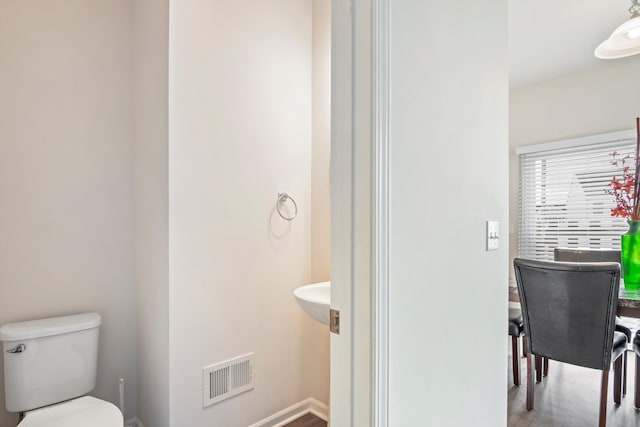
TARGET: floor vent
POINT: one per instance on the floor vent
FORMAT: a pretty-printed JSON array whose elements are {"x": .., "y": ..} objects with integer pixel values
[{"x": 226, "y": 379}]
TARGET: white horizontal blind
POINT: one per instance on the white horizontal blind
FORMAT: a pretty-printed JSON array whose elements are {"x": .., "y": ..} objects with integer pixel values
[{"x": 563, "y": 199}]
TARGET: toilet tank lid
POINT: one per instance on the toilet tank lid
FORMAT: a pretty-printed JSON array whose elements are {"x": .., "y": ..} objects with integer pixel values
[{"x": 47, "y": 327}]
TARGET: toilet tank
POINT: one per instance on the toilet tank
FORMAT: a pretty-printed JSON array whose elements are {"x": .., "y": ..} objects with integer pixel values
[{"x": 48, "y": 361}]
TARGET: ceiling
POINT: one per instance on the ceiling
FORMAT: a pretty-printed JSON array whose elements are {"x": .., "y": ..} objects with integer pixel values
[{"x": 550, "y": 38}]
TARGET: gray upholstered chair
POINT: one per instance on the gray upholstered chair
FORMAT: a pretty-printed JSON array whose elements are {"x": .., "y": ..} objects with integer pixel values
[
  {"x": 598, "y": 255},
  {"x": 515, "y": 331},
  {"x": 636, "y": 349},
  {"x": 584, "y": 298},
  {"x": 586, "y": 255}
]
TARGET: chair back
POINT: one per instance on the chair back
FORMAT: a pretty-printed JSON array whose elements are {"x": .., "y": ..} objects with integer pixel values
[
  {"x": 586, "y": 255},
  {"x": 569, "y": 309}
]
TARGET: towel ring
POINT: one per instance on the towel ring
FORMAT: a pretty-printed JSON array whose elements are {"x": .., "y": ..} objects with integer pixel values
[{"x": 282, "y": 197}]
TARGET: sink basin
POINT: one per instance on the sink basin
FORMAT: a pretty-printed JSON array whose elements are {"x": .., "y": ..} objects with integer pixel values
[{"x": 315, "y": 300}]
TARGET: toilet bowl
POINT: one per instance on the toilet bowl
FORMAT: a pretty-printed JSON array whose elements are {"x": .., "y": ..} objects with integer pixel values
[{"x": 49, "y": 367}]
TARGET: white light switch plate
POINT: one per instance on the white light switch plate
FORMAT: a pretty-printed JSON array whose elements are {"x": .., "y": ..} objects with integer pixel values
[{"x": 493, "y": 235}]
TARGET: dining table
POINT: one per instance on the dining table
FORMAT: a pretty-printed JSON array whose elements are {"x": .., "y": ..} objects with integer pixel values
[{"x": 628, "y": 302}]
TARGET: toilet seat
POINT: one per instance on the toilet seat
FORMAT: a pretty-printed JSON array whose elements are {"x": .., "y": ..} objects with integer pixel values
[{"x": 81, "y": 412}]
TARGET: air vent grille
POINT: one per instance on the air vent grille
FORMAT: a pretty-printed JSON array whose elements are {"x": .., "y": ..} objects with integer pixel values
[{"x": 226, "y": 379}]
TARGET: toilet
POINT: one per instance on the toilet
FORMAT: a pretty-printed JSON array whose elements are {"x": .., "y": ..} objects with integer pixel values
[{"x": 49, "y": 366}]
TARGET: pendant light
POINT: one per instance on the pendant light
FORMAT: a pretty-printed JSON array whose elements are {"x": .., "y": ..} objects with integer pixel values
[{"x": 625, "y": 40}]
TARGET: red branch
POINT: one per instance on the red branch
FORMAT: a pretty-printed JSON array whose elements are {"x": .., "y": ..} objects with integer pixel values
[
  {"x": 626, "y": 190},
  {"x": 636, "y": 189}
]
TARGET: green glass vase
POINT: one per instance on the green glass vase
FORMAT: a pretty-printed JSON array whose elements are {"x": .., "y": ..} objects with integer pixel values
[{"x": 630, "y": 254}]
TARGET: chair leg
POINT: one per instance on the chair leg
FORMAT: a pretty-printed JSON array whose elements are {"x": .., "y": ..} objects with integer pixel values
[
  {"x": 524, "y": 347},
  {"x": 538, "y": 369},
  {"x": 624, "y": 374},
  {"x": 603, "y": 399},
  {"x": 530, "y": 390},
  {"x": 617, "y": 379},
  {"x": 637, "y": 397},
  {"x": 515, "y": 360},
  {"x": 545, "y": 370}
]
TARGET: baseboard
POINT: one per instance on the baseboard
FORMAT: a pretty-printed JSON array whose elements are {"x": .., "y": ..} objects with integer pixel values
[
  {"x": 307, "y": 406},
  {"x": 133, "y": 422}
]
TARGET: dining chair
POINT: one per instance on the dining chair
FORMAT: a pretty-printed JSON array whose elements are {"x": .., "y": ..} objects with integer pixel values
[
  {"x": 636, "y": 350},
  {"x": 583, "y": 297},
  {"x": 598, "y": 255},
  {"x": 515, "y": 331}
]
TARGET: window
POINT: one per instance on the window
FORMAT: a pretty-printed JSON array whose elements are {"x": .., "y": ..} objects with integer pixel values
[{"x": 563, "y": 199}]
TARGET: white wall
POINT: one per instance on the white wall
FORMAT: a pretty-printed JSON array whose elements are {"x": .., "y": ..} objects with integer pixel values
[
  {"x": 449, "y": 174},
  {"x": 591, "y": 102},
  {"x": 152, "y": 209},
  {"x": 83, "y": 81},
  {"x": 66, "y": 173},
  {"x": 240, "y": 132}
]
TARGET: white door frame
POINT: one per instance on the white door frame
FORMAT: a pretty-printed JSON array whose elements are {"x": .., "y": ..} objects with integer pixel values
[
  {"x": 380, "y": 286},
  {"x": 359, "y": 213},
  {"x": 341, "y": 384}
]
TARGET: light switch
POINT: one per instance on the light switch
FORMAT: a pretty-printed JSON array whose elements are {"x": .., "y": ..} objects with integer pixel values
[{"x": 493, "y": 235}]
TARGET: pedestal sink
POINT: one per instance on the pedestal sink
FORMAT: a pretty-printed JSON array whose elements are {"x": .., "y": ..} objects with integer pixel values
[{"x": 315, "y": 300}]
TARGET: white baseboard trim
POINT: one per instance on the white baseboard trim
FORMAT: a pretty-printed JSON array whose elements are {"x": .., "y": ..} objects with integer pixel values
[
  {"x": 133, "y": 422},
  {"x": 307, "y": 406}
]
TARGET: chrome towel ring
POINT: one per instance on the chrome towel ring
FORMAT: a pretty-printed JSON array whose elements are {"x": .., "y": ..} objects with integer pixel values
[{"x": 282, "y": 198}]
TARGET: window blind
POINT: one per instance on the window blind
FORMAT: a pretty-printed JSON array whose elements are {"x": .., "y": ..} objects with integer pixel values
[{"x": 563, "y": 199}]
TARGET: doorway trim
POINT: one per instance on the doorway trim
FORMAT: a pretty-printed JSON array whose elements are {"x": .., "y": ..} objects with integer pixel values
[
  {"x": 342, "y": 211},
  {"x": 380, "y": 327},
  {"x": 359, "y": 212}
]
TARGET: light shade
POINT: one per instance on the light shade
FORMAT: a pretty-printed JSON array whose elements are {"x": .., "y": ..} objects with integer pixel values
[{"x": 624, "y": 41}]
